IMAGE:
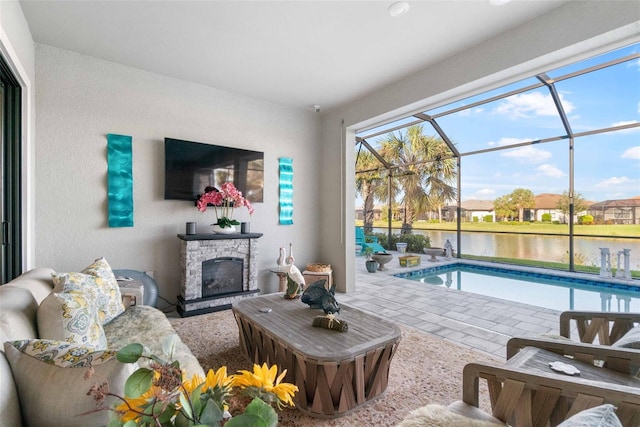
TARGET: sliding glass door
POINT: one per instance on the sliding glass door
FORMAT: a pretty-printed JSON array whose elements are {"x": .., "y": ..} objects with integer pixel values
[{"x": 11, "y": 172}]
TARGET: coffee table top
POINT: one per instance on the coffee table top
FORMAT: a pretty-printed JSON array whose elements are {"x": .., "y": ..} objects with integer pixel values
[{"x": 290, "y": 321}]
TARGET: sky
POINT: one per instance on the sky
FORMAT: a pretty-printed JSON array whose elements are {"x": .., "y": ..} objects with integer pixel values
[{"x": 607, "y": 166}]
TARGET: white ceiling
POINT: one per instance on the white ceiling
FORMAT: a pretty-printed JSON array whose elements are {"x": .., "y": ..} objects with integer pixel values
[{"x": 296, "y": 53}]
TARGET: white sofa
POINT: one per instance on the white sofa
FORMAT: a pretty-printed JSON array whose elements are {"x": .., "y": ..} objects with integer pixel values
[{"x": 19, "y": 302}]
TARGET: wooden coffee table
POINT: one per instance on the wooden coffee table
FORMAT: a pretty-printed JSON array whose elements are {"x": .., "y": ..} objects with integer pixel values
[{"x": 336, "y": 372}]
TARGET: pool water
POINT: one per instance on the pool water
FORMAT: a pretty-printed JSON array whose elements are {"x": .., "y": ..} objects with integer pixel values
[{"x": 541, "y": 290}]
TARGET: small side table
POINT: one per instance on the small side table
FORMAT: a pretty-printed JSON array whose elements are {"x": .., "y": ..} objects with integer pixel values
[
  {"x": 282, "y": 277},
  {"x": 314, "y": 276},
  {"x": 132, "y": 292}
]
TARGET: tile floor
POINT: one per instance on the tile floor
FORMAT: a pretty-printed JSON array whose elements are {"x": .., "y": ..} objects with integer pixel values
[{"x": 471, "y": 320}]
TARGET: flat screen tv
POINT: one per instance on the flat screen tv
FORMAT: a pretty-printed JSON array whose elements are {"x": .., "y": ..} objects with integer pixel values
[{"x": 191, "y": 167}]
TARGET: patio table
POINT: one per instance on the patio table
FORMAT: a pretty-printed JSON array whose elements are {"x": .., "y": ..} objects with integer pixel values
[{"x": 336, "y": 372}]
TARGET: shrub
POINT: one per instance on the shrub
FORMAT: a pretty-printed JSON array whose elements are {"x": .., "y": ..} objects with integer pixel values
[
  {"x": 488, "y": 218},
  {"x": 585, "y": 220},
  {"x": 546, "y": 217},
  {"x": 475, "y": 219},
  {"x": 415, "y": 242}
]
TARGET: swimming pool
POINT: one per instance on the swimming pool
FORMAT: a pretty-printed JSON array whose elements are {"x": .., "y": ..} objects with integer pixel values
[{"x": 539, "y": 289}]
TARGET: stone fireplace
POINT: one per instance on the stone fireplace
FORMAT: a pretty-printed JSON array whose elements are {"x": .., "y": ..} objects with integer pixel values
[{"x": 216, "y": 270}]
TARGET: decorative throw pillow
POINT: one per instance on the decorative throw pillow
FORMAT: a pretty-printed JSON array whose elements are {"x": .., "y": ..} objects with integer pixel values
[
  {"x": 100, "y": 283},
  {"x": 52, "y": 393},
  {"x": 72, "y": 317},
  {"x": 600, "y": 416}
]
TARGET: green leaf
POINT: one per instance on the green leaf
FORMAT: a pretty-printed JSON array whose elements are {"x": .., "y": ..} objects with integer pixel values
[
  {"x": 186, "y": 406},
  {"x": 182, "y": 421},
  {"x": 211, "y": 413},
  {"x": 256, "y": 414},
  {"x": 130, "y": 353},
  {"x": 246, "y": 420},
  {"x": 167, "y": 414},
  {"x": 138, "y": 382},
  {"x": 169, "y": 346},
  {"x": 130, "y": 423}
]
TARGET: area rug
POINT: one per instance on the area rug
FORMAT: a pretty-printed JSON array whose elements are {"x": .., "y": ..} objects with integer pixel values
[{"x": 425, "y": 370}]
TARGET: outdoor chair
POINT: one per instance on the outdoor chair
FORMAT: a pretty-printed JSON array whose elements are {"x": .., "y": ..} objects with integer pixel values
[
  {"x": 609, "y": 339},
  {"x": 365, "y": 241},
  {"x": 608, "y": 327},
  {"x": 526, "y": 397}
]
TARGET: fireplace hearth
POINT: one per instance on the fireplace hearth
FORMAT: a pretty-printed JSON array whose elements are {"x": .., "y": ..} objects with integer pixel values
[{"x": 216, "y": 270}]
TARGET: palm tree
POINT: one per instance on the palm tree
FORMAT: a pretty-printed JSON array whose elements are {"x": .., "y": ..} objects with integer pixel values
[
  {"x": 425, "y": 173},
  {"x": 367, "y": 180}
]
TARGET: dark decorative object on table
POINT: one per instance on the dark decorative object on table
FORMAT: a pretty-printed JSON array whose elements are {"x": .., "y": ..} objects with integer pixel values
[{"x": 317, "y": 296}]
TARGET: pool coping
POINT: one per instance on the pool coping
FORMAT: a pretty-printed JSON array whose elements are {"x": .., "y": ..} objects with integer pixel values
[{"x": 609, "y": 282}]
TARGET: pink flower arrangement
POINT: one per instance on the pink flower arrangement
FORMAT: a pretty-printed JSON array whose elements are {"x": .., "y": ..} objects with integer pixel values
[{"x": 226, "y": 199}]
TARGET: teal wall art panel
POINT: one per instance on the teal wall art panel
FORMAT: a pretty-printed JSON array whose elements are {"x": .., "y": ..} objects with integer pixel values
[
  {"x": 286, "y": 190},
  {"x": 120, "y": 180}
]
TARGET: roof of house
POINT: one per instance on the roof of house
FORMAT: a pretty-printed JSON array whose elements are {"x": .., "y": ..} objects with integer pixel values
[
  {"x": 619, "y": 203},
  {"x": 547, "y": 201}
]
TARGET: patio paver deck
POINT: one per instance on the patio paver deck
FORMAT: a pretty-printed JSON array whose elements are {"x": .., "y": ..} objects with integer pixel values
[{"x": 471, "y": 320}]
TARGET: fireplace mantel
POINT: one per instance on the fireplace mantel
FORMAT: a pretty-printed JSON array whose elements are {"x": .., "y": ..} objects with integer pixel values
[
  {"x": 199, "y": 248},
  {"x": 213, "y": 236}
]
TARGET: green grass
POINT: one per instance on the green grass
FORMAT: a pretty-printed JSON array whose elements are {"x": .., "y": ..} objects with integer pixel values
[{"x": 524, "y": 227}]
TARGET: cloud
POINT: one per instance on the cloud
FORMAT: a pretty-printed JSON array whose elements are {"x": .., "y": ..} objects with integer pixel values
[
  {"x": 550, "y": 170},
  {"x": 524, "y": 105},
  {"x": 612, "y": 181},
  {"x": 626, "y": 122},
  {"x": 528, "y": 154},
  {"x": 631, "y": 153}
]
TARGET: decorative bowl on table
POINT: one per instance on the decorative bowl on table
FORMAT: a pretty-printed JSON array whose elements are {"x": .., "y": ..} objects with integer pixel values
[
  {"x": 382, "y": 258},
  {"x": 433, "y": 252}
]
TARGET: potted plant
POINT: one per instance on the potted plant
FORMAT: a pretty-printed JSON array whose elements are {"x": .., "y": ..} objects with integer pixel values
[{"x": 370, "y": 263}]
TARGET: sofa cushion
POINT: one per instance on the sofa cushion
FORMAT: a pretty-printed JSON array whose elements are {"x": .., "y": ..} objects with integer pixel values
[
  {"x": 99, "y": 282},
  {"x": 149, "y": 326},
  {"x": 599, "y": 416},
  {"x": 18, "y": 311},
  {"x": 440, "y": 416},
  {"x": 72, "y": 317},
  {"x": 9, "y": 403},
  {"x": 52, "y": 395},
  {"x": 37, "y": 281}
]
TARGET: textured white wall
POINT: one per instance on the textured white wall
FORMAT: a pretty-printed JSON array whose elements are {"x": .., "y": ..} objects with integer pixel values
[
  {"x": 80, "y": 99},
  {"x": 571, "y": 32}
]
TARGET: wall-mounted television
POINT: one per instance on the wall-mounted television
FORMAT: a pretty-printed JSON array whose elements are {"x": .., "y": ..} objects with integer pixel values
[{"x": 191, "y": 167}]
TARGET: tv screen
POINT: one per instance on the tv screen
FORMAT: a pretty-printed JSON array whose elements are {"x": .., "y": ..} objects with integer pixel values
[{"x": 191, "y": 167}]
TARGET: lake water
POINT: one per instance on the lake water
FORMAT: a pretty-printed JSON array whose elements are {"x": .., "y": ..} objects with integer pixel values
[{"x": 536, "y": 247}]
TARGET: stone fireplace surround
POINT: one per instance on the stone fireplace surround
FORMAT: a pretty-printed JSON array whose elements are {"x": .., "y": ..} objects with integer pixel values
[{"x": 197, "y": 248}]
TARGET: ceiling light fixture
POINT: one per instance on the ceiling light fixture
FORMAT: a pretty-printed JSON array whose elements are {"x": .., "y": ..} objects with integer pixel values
[{"x": 398, "y": 8}]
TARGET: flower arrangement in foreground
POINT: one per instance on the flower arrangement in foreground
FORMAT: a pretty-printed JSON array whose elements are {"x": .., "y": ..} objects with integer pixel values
[
  {"x": 224, "y": 201},
  {"x": 159, "y": 396}
]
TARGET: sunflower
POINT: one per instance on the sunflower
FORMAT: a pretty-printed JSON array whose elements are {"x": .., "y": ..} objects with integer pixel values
[{"x": 262, "y": 383}]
